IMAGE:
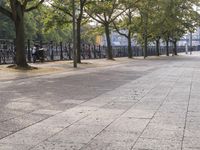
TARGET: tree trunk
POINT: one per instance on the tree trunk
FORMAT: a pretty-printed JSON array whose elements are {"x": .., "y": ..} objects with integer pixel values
[
  {"x": 145, "y": 45},
  {"x": 78, "y": 41},
  {"x": 158, "y": 47},
  {"x": 175, "y": 47},
  {"x": 20, "y": 39},
  {"x": 145, "y": 35},
  {"x": 130, "y": 53},
  {"x": 167, "y": 47},
  {"x": 109, "y": 46}
]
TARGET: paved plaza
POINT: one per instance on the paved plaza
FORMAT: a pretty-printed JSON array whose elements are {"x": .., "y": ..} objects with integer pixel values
[{"x": 151, "y": 104}]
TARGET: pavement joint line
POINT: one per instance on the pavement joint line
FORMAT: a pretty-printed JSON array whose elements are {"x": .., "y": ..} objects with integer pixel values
[
  {"x": 27, "y": 113},
  {"x": 186, "y": 115},
  {"x": 121, "y": 115},
  {"x": 58, "y": 132},
  {"x": 26, "y": 126},
  {"x": 132, "y": 147},
  {"x": 35, "y": 122}
]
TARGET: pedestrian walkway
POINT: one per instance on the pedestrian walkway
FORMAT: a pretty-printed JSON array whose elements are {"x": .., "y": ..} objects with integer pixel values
[{"x": 157, "y": 111}]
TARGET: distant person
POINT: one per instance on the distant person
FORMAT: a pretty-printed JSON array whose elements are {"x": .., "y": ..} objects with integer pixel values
[{"x": 34, "y": 52}]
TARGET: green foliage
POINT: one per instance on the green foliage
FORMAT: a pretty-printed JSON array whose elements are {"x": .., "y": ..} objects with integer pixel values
[
  {"x": 104, "y": 12},
  {"x": 43, "y": 24},
  {"x": 89, "y": 33},
  {"x": 178, "y": 17},
  {"x": 6, "y": 25},
  {"x": 6, "y": 28},
  {"x": 52, "y": 25}
]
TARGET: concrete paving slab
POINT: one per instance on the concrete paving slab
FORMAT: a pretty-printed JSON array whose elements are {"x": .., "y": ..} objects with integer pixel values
[
  {"x": 128, "y": 125},
  {"x": 156, "y": 144},
  {"x": 30, "y": 136},
  {"x": 21, "y": 122},
  {"x": 108, "y": 136},
  {"x": 46, "y": 112},
  {"x": 99, "y": 145},
  {"x": 191, "y": 143},
  {"x": 4, "y": 133},
  {"x": 120, "y": 107},
  {"x": 162, "y": 133},
  {"x": 58, "y": 145},
  {"x": 6, "y": 146},
  {"x": 139, "y": 114}
]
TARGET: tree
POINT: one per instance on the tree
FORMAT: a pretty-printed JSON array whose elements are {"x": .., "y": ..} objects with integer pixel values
[
  {"x": 127, "y": 22},
  {"x": 82, "y": 4},
  {"x": 179, "y": 18},
  {"x": 104, "y": 13},
  {"x": 15, "y": 12},
  {"x": 146, "y": 8},
  {"x": 156, "y": 25},
  {"x": 66, "y": 8}
]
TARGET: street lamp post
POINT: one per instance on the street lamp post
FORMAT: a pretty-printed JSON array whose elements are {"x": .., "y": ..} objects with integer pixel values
[{"x": 74, "y": 35}]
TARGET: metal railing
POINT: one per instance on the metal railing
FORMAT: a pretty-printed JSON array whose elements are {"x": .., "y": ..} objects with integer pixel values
[{"x": 63, "y": 51}]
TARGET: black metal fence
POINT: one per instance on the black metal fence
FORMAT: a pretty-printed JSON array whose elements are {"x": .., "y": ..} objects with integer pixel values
[{"x": 63, "y": 51}]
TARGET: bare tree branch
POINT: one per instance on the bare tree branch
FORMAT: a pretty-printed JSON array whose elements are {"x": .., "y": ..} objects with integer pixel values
[
  {"x": 114, "y": 18},
  {"x": 6, "y": 12},
  {"x": 118, "y": 31},
  {"x": 26, "y": 2},
  {"x": 63, "y": 10},
  {"x": 82, "y": 4},
  {"x": 100, "y": 20},
  {"x": 112, "y": 10},
  {"x": 34, "y": 7}
]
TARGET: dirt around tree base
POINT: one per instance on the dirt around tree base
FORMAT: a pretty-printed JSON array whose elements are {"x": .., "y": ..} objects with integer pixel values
[
  {"x": 112, "y": 59},
  {"x": 22, "y": 68}
]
